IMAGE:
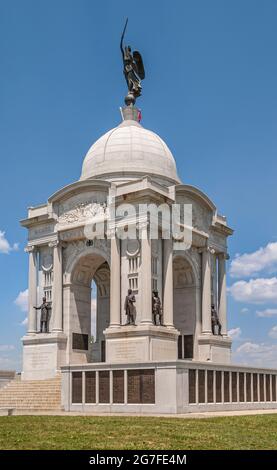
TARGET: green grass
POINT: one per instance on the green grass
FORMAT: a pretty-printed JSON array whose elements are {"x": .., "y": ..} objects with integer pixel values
[{"x": 86, "y": 432}]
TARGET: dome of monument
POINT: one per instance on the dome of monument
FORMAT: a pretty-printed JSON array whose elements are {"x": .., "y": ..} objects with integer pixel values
[{"x": 129, "y": 152}]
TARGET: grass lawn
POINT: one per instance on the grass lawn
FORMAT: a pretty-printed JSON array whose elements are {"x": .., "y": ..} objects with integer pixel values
[{"x": 85, "y": 432}]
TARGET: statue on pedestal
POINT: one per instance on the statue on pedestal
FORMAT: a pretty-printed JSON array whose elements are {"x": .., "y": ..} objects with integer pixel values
[
  {"x": 44, "y": 315},
  {"x": 133, "y": 71},
  {"x": 215, "y": 321},
  {"x": 156, "y": 308},
  {"x": 130, "y": 308}
]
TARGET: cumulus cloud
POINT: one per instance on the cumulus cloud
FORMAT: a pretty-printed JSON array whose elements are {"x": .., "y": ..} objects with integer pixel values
[
  {"x": 234, "y": 333},
  {"x": 22, "y": 300},
  {"x": 255, "y": 291},
  {"x": 5, "y": 246},
  {"x": 268, "y": 312},
  {"x": 250, "y": 264},
  {"x": 273, "y": 332},
  {"x": 256, "y": 354},
  {"x": 6, "y": 347}
]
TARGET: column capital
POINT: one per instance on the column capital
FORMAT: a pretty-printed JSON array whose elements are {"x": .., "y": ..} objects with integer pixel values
[
  {"x": 54, "y": 243},
  {"x": 207, "y": 250},
  {"x": 30, "y": 248},
  {"x": 223, "y": 255}
]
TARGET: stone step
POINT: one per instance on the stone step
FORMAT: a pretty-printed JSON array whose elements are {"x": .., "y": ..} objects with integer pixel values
[{"x": 32, "y": 394}]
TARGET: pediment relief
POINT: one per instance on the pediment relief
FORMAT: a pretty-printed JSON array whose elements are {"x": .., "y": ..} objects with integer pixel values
[{"x": 82, "y": 208}]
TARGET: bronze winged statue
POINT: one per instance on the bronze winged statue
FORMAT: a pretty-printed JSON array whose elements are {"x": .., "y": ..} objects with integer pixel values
[{"x": 133, "y": 70}]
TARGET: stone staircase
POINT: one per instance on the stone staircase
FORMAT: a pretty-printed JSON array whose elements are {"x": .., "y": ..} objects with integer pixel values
[{"x": 32, "y": 395}]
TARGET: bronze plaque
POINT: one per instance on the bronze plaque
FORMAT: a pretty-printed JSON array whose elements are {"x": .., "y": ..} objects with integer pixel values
[
  {"x": 141, "y": 386},
  {"x": 241, "y": 386},
  {"x": 267, "y": 387},
  {"x": 218, "y": 385},
  {"x": 180, "y": 352},
  {"x": 79, "y": 341},
  {"x": 104, "y": 386},
  {"x": 210, "y": 378},
  {"x": 255, "y": 387},
  {"x": 90, "y": 391},
  {"x": 192, "y": 386},
  {"x": 262, "y": 397},
  {"x": 273, "y": 379},
  {"x": 201, "y": 386},
  {"x": 103, "y": 351},
  {"x": 188, "y": 346},
  {"x": 133, "y": 385},
  {"x": 76, "y": 387},
  {"x": 234, "y": 387},
  {"x": 248, "y": 386},
  {"x": 118, "y": 386},
  {"x": 147, "y": 386},
  {"x": 226, "y": 387}
]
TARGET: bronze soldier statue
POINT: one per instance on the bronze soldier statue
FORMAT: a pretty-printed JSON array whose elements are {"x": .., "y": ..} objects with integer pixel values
[
  {"x": 215, "y": 321},
  {"x": 130, "y": 308},
  {"x": 44, "y": 316},
  {"x": 133, "y": 70},
  {"x": 156, "y": 308}
]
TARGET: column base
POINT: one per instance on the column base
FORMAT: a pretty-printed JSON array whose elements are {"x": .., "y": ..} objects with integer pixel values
[
  {"x": 43, "y": 355},
  {"x": 214, "y": 348},
  {"x": 141, "y": 343}
]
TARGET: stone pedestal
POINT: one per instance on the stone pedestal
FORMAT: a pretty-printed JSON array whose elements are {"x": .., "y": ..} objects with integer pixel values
[
  {"x": 214, "y": 348},
  {"x": 142, "y": 343},
  {"x": 43, "y": 355}
]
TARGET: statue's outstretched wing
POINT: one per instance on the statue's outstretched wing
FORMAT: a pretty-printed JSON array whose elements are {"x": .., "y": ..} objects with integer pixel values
[{"x": 138, "y": 60}]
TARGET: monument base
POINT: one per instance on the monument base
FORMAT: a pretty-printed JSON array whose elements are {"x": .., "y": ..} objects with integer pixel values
[
  {"x": 43, "y": 355},
  {"x": 140, "y": 343},
  {"x": 213, "y": 348}
]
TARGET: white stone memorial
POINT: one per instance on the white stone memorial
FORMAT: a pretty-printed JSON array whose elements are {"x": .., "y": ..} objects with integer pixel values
[{"x": 127, "y": 171}]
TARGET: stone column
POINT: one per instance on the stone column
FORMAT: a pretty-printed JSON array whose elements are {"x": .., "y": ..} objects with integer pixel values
[
  {"x": 146, "y": 278},
  {"x": 32, "y": 289},
  {"x": 206, "y": 292},
  {"x": 222, "y": 300},
  {"x": 168, "y": 283},
  {"x": 57, "y": 290},
  {"x": 115, "y": 289}
]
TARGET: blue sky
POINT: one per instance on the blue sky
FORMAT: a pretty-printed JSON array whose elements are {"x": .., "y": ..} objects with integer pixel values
[{"x": 210, "y": 92}]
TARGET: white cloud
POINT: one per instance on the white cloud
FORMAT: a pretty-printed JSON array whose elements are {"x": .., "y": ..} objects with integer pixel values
[
  {"x": 255, "y": 291},
  {"x": 256, "y": 354},
  {"x": 273, "y": 332},
  {"x": 24, "y": 322},
  {"x": 5, "y": 246},
  {"x": 249, "y": 264},
  {"x": 268, "y": 312},
  {"x": 234, "y": 333},
  {"x": 6, "y": 347},
  {"x": 22, "y": 300},
  {"x": 244, "y": 310}
]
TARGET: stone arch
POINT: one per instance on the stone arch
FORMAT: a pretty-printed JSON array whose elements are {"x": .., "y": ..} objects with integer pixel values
[
  {"x": 87, "y": 265},
  {"x": 79, "y": 253},
  {"x": 185, "y": 283}
]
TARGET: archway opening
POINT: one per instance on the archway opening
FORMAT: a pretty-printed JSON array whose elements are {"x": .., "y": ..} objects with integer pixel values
[
  {"x": 184, "y": 303},
  {"x": 89, "y": 308}
]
